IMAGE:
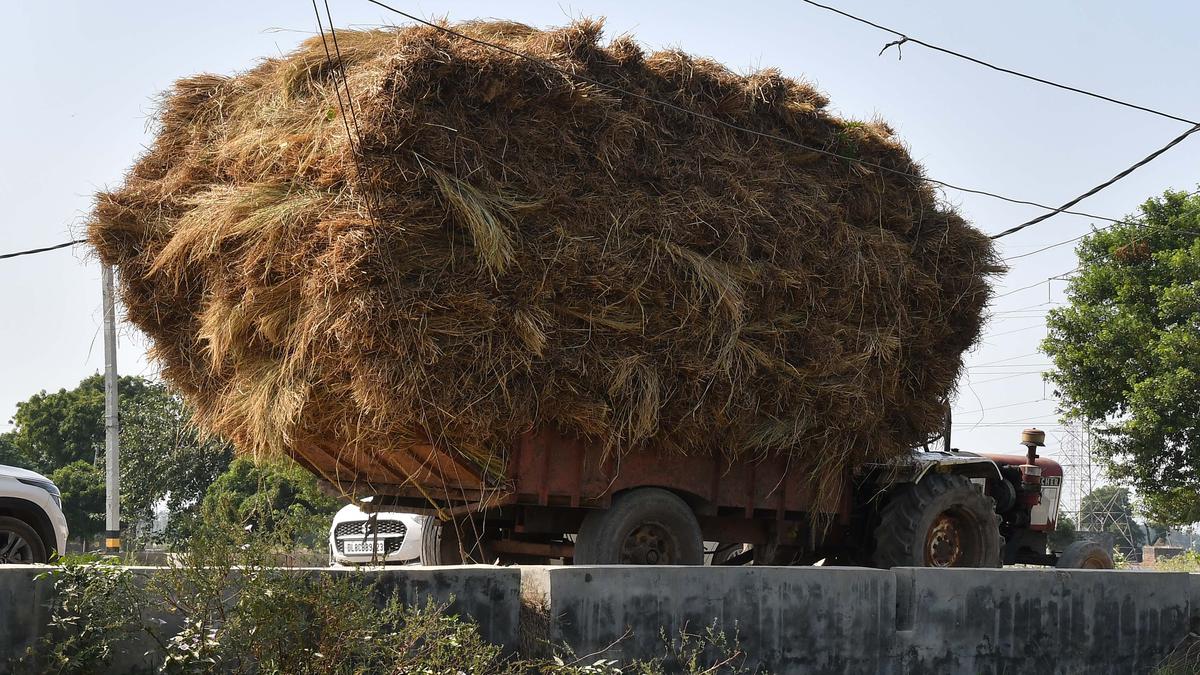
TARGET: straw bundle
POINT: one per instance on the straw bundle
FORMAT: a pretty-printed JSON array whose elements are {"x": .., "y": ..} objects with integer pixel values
[{"x": 510, "y": 248}]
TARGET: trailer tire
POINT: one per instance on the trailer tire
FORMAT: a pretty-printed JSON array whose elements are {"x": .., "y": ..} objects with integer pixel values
[
  {"x": 446, "y": 543},
  {"x": 1085, "y": 555},
  {"x": 646, "y": 526},
  {"x": 943, "y": 521}
]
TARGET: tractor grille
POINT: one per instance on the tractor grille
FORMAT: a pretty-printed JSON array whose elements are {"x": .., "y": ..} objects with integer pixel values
[{"x": 391, "y": 533}]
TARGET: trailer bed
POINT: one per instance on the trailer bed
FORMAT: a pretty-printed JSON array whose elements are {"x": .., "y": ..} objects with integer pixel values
[{"x": 547, "y": 469}]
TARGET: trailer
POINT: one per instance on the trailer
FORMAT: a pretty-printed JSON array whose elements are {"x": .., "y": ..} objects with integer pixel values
[{"x": 569, "y": 499}]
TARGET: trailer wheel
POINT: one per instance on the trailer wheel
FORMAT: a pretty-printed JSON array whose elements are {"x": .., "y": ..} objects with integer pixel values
[
  {"x": 943, "y": 521},
  {"x": 1085, "y": 555},
  {"x": 646, "y": 526},
  {"x": 456, "y": 542}
]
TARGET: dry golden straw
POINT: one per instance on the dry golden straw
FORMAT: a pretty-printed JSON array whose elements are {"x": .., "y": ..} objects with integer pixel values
[{"x": 543, "y": 253}]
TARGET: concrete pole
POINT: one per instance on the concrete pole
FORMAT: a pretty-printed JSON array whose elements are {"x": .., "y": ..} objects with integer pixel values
[{"x": 112, "y": 438}]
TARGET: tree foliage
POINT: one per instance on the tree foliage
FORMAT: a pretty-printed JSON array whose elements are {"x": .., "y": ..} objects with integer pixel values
[
  {"x": 267, "y": 495},
  {"x": 51, "y": 430},
  {"x": 1126, "y": 352},
  {"x": 82, "y": 486},
  {"x": 163, "y": 458},
  {"x": 1064, "y": 533}
]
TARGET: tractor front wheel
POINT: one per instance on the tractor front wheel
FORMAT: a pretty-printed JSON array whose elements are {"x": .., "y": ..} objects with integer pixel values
[{"x": 1085, "y": 555}]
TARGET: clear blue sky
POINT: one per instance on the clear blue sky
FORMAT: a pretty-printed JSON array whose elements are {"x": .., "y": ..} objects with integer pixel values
[{"x": 81, "y": 82}]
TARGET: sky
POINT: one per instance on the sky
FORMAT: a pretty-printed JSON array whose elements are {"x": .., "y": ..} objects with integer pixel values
[{"x": 82, "y": 90}]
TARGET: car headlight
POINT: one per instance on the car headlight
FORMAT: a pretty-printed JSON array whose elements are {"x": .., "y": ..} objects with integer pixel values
[{"x": 47, "y": 486}]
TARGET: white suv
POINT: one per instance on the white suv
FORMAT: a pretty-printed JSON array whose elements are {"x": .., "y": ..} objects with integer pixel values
[
  {"x": 32, "y": 526},
  {"x": 359, "y": 538}
]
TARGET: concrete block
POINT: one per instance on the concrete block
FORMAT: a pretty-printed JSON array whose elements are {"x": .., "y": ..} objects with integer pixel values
[
  {"x": 1037, "y": 621},
  {"x": 490, "y": 596},
  {"x": 789, "y": 619},
  {"x": 1194, "y": 600},
  {"x": 24, "y": 609}
]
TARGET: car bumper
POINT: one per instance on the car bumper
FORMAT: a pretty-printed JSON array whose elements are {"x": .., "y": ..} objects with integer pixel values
[{"x": 409, "y": 550}]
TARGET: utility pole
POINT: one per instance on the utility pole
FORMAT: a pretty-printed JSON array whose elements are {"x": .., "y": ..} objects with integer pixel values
[{"x": 112, "y": 438}]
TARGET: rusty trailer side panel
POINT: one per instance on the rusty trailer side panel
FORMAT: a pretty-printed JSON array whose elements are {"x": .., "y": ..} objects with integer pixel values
[{"x": 550, "y": 470}]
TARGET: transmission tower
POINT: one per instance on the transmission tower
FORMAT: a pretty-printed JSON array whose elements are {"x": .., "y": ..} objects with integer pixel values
[
  {"x": 1072, "y": 444},
  {"x": 1082, "y": 477}
]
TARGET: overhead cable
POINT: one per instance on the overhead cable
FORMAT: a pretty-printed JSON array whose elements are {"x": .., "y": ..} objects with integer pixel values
[
  {"x": 43, "y": 249},
  {"x": 906, "y": 38},
  {"x": 729, "y": 125}
]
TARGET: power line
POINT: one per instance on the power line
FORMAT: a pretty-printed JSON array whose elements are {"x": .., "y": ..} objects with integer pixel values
[
  {"x": 1028, "y": 308},
  {"x": 1011, "y": 367},
  {"x": 1075, "y": 239},
  {"x": 1137, "y": 165},
  {"x": 998, "y": 407},
  {"x": 1007, "y": 377},
  {"x": 1025, "y": 288},
  {"x": 905, "y": 38},
  {"x": 1015, "y": 330},
  {"x": 730, "y": 125},
  {"x": 340, "y": 80},
  {"x": 43, "y": 249},
  {"x": 1041, "y": 424},
  {"x": 1011, "y": 358},
  {"x": 1061, "y": 243}
]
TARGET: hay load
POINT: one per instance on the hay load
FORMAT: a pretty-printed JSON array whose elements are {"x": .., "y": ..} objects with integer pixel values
[{"x": 511, "y": 248}]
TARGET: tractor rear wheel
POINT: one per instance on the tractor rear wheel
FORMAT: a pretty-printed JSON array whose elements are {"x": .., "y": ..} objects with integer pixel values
[
  {"x": 646, "y": 526},
  {"x": 943, "y": 521}
]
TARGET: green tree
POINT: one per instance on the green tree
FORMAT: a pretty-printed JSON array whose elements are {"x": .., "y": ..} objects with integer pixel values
[
  {"x": 1126, "y": 352},
  {"x": 9, "y": 454},
  {"x": 82, "y": 487},
  {"x": 163, "y": 458},
  {"x": 271, "y": 495},
  {"x": 1064, "y": 534},
  {"x": 55, "y": 429}
]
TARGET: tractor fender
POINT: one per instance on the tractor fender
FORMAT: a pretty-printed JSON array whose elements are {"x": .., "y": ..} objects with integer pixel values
[{"x": 919, "y": 463}]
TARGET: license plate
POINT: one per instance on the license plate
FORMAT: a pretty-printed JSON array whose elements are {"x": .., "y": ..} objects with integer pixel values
[{"x": 362, "y": 547}]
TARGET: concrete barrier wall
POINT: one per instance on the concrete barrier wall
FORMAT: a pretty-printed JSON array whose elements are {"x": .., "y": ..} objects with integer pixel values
[
  {"x": 489, "y": 595},
  {"x": 1038, "y": 621},
  {"x": 908, "y": 620},
  {"x": 792, "y": 619},
  {"x": 24, "y": 610},
  {"x": 788, "y": 620}
]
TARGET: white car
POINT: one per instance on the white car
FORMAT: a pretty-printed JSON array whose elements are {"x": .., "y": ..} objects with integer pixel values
[
  {"x": 32, "y": 526},
  {"x": 359, "y": 538}
]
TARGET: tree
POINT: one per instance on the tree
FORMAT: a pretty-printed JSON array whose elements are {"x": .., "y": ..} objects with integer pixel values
[
  {"x": 1064, "y": 534},
  {"x": 9, "y": 454},
  {"x": 1126, "y": 352},
  {"x": 163, "y": 457},
  {"x": 82, "y": 486},
  {"x": 54, "y": 429},
  {"x": 269, "y": 496}
]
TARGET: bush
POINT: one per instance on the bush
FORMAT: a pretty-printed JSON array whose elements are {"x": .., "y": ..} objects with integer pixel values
[
  {"x": 1188, "y": 561},
  {"x": 226, "y": 605},
  {"x": 223, "y": 608}
]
